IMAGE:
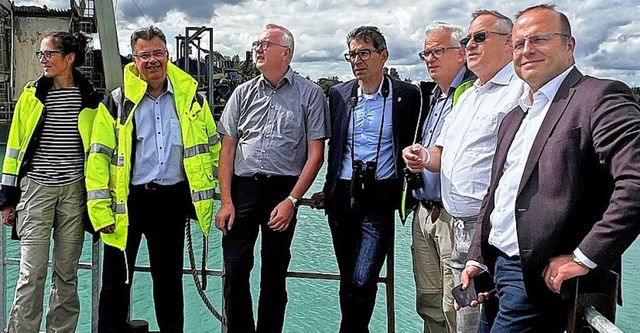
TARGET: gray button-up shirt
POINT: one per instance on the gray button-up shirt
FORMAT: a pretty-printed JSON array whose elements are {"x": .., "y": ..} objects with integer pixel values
[{"x": 273, "y": 126}]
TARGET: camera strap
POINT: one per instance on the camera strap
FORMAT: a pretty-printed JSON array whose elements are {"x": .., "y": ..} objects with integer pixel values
[
  {"x": 354, "y": 102},
  {"x": 426, "y": 122}
]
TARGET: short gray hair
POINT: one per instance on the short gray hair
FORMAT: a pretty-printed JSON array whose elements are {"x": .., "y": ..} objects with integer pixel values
[
  {"x": 503, "y": 23},
  {"x": 147, "y": 33},
  {"x": 287, "y": 38},
  {"x": 455, "y": 31}
]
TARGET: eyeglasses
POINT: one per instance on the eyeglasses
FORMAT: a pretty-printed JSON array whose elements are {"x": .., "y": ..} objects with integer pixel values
[
  {"x": 535, "y": 41},
  {"x": 479, "y": 37},
  {"x": 46, "y": 54},
  {"x": 363, "y": 54},
  {"x": 156, "y": 54},
  {"x": 264, "y": 45},
  {"x": 436, "y": 52}
]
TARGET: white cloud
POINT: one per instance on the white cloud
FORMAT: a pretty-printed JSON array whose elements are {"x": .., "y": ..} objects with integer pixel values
[{"x": 607, "y": 32}]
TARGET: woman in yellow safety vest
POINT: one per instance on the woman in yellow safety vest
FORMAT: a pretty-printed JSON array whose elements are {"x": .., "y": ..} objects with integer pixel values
[{"x": 43, "y": 191}]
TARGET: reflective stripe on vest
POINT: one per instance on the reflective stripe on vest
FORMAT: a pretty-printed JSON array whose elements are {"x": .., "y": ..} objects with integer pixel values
[
  {"x": 214, "y": 139},
  {"x": 102, "y": 149},
  {"x": 195, "y": 150},
  {"x": 202, "y": 195},
  {"x": 98, "y": 194},
  {"x": 118, "y": 208},
  {"x": 14, "y": 153},
  {"x": 9, "y": 180}
]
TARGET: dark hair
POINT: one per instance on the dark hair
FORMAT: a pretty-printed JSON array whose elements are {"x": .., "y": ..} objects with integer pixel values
[
  {"x": 147, "y": 33},
  {"x": 70, "y": 43},
  {"x": 368, "y": 34},
  {"x": 565, "y": 26},
  {"x": 503, "y": 23}
]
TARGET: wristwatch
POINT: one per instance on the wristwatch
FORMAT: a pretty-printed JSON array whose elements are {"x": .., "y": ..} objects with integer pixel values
[
  {"x": 293, "y": 200},
  {"x": 579, "y": 262}
]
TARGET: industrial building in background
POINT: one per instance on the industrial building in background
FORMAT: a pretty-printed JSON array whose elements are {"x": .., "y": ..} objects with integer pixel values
[{"x": 21, "y": 29}]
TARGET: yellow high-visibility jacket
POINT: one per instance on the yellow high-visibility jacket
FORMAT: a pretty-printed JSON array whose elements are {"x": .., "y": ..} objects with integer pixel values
[
  {"x": 26, "y": 128},
  {"x": 109, "y": 164}
]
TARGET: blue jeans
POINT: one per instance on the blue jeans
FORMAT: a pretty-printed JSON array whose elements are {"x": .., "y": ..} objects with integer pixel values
[
  {"x": 361, "y": 239},
  {"x": 519, "y": 313}
]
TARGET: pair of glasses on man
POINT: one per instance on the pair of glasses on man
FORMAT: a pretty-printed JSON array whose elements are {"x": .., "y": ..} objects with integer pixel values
[
  {"x": 479, "y": 37},
  {"x": 364, "y": 55},
  {"x": 264, "y": 45},
  {"x": 156, "y": 54},
  {"x": 46, "y": 54},
  {"x": 435, "y": 52},
  {"x": 536, "y": 41}
]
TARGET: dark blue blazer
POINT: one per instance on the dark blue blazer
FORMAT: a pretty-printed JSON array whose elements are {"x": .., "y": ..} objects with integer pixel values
[{"x": 405, "y": 115}]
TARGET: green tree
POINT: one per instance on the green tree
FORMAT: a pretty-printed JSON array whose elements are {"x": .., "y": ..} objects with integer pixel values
[
  {"x": 327, "y": 83},
  {"x": 636, "y": 92}
]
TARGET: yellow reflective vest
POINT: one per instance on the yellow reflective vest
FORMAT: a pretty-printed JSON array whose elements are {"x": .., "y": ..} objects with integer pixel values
[
  {"x": 26, "y": 127},
  {"x": 109, "y": 164}
]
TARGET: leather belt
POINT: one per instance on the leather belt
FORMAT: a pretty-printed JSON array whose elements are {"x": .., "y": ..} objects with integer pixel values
[{"x": 152, "y": 187}]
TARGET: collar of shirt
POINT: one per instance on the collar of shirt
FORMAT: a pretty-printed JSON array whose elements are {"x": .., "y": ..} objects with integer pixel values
[
  {"x": 502, "y": 78},
  {"x": 454, "y": 84},
  {"x": 287, "y": 78},
  {"x": 549, "y": 91},
  {"x": 169, "y": 89},
  {"x": 369, "y": 97}
]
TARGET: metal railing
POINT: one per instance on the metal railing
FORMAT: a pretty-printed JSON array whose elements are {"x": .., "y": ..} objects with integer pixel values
[
  {"x": 598, "y": 322},
  {"x": 96, "y": 273}
]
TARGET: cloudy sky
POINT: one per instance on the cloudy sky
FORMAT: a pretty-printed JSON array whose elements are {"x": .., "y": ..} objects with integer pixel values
[{"x": 607, "y": 32}]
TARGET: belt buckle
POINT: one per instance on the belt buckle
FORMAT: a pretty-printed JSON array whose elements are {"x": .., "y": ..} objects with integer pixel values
[
  {"x": 427, "y": 204},
  {"x": 261, "y": 176},
  {"x": 150, "y": 186}
]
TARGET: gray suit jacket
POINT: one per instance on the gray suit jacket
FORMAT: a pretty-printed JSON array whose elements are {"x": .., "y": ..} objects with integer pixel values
[{"x": 581, "y": 182}]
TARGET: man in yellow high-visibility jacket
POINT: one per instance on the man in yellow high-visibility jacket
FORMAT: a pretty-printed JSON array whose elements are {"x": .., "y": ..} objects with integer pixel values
[{"x": 153, "y": 163}]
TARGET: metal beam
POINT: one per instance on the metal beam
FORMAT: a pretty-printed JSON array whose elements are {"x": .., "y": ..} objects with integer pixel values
[{"x": 106, "y": 20}]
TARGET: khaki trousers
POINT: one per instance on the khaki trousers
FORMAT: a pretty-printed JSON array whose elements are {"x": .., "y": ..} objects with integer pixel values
[
  {"x": 431, "y": 249},
  {"x": 42, "y": 209}
]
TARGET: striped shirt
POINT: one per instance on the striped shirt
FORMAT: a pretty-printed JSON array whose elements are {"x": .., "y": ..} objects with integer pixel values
[{"x": 59, "y": 156}]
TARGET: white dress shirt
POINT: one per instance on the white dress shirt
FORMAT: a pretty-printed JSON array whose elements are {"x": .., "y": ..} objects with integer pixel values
[
  {"x": 503, "y": 234},
  {"x": 469, "y": 137}
]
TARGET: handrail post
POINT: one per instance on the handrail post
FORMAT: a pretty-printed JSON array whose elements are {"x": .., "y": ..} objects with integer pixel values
[
  {"x": 390, "y": 285},
  {"x": 96, "y": 274},
  {"x": 3, "y": 276},
  {"x": 598, "y": 321}
]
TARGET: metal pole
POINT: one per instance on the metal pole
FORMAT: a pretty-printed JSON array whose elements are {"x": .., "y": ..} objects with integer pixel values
[
  {"x": 198, "y": 70},
  {"x": 96, "y": 273},
  {"x": 210, "y": 71},
  {"x": 599, "y": 322},
  {"x": 390, "y": 288},
  {"x": 3, "y": 276},
  {"x": 186, "y": 50},
  {"x": 106, "y": 20}
]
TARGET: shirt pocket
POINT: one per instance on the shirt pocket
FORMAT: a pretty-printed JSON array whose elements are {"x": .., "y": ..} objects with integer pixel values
[{"x": 175, "y": 132}]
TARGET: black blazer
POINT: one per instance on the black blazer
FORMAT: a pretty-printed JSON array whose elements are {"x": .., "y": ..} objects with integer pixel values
[
  {"x": 405, "y": 110},
  {"x": 581, "y": 182}
]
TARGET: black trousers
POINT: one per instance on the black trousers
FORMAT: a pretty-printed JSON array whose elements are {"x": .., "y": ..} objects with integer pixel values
[
  {"x": 159, "y": 213},
  {"x": 362, "y": 235},
  {"x": 254, "y": 198}
]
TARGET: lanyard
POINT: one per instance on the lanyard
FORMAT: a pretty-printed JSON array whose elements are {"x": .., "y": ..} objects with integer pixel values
[
  {"x": 426, "y": 125},
  {"x": 352, "y": 116}
]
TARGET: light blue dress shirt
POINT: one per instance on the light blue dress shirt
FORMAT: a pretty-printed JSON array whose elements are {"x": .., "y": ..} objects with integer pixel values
[
  {"x": 366, "y": 120},
  {"x": 430, "y": 132},
  {"x": 158, "y": 141}
]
